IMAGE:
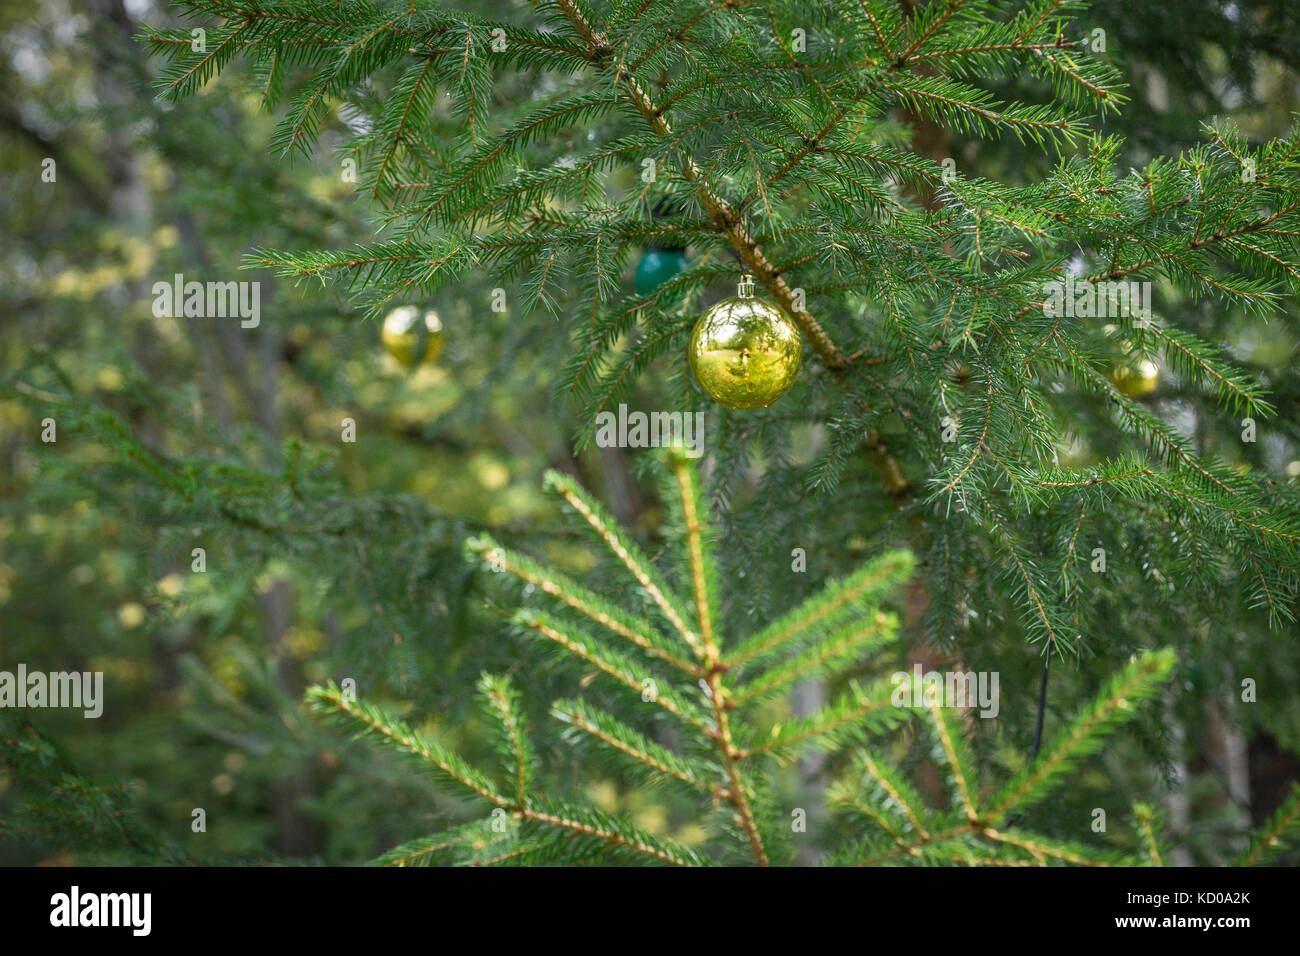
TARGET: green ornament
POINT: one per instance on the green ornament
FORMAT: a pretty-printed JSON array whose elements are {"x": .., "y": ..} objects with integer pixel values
[
  {"x": 656, "y": 267},
  {"x": 411, "y": 338},
  {"x": 745, "y": 352}
]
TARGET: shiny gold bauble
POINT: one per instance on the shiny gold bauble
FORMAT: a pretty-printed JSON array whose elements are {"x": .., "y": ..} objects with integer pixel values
[
  {"x": 1135, "y": 377},
  {"x": 412, "y": 338},
  {"x": 745, "y": 352}
]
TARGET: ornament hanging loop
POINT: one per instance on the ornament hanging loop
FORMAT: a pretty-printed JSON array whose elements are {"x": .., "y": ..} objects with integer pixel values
[{"x": 746, "y": 287}]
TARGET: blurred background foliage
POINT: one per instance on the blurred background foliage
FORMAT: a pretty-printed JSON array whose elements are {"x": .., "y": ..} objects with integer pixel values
[{"x": 327, "y": 560}]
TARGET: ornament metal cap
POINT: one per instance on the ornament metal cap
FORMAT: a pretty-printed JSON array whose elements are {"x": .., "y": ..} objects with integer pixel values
[{"x": 745, "y": 289}]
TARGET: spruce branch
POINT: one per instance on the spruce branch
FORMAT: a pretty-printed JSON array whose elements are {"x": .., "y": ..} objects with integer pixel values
[
  {"x": 848, "y": 643},
  {"x": 828, "y": 608},
  {"x": 1273, "y": 834},
  {"x": 592, "y": 825},
  {"x": 586, "y": 602},
  {"x": 725, "y": 746},
  {"x": 587, "y": 649},
  {"x": 1042, "y": 849},
  {"x": 604, "y": 831},
  {"x": 1117, "y": 702},
  {"x": 1148, "y": 823},
  {"x": 792, "y": 163},
  {"x": 629, "y": 554},
  {"x": 917, "y": 833},
  {"x": 422, "y": 851},
  {"x": 850, "y": 718},
  {"x": 627, "y": 741},
  {"x": 869, "y": 807},
  {"x": 330, "y": 702},
  {"x": 701, "y": 558},
  {"x": 717, "y": 694},
  {"x": 958, "y": 759},
  {"x": 729, "y": 222},
  {"x": 503, "y": 703}
]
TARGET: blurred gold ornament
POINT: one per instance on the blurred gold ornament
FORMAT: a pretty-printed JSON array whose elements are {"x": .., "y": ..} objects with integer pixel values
[
  {"x": 411, "y": 338},
  {"x": 745, "y": 352},
  {"x": 1135, "y": 377}
]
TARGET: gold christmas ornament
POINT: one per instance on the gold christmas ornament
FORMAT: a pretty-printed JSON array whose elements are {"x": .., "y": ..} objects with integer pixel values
[
  {"x": 1135, "y": 378},
  {"x": 1130, "y": 371},
  {"x": 745, "y": 352},
  {"x": 411, "y": 338}
]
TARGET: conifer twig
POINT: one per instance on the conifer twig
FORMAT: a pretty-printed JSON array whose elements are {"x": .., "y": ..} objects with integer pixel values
[
  {"x": 657, "y": 591},
  {"x": 713, "y": 676},
  {"x": 729, "y": 223},
  {"x": 1269, "y": 837},
  {"x": 330, "y": 699}
]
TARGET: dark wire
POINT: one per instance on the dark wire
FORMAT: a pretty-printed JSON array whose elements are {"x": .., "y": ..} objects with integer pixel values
[
  {"x": 1042, "y": 707},
  {"x": 1038, "y": 730}
]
